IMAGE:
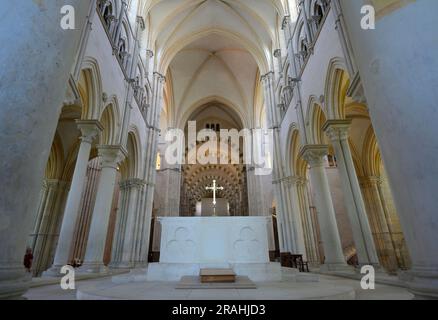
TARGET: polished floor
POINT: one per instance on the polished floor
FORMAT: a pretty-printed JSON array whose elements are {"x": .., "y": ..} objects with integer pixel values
[{"x": 328, "y": 287}]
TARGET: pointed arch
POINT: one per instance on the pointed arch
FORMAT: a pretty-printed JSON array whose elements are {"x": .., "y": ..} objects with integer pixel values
[
  {"x": 186, "y": 116},
  {"x": 90, "y": 86},
  {"x": 55, "y": 163},
  {"x": 110, "y": 119},
  {"x": 315, "y": 119},
  {"x": 130, "y": 167},
  {"x": 336, "y": 86}
]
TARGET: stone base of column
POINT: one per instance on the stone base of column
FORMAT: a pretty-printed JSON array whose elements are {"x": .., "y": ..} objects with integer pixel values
[
  {"x": 54, "y": 271},
  {"x": 134, "y": 275},
  {"x": 377, "y": 267},
  {"x": 95, "y": 268},
  {"x": 121, "y": 265},
  {"x": 14, "y": 282},
  {"x": 423, "y": 282},
  {"x": 336, "y": 267}
]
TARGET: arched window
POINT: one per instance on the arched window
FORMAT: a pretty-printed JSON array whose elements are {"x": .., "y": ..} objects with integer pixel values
[
  {"x": 122, "y": 49},
  {"x": 304, "y": 49},
  {"x": 158, "y": 163},
  {"x": 332, "y": 161},
  {"x": 318, "y": 13},
  {"x": 106, "y": 10}
]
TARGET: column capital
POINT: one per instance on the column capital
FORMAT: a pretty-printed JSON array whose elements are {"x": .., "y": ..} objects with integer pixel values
[
  {"x": 337, "y": 130},
  {"x": 161, "y": 78},
  {"x": 267, "y": 76},
  {"x": 132, "y": 183},
  {"x": 50, "y": 183},
  {"x": 111, "y": 156},
  {"x": 314, "y": 154},
  {"x": 370, "y": 181},
  {"x": 89, "y": 129},
  {"x": 149, "y": 53},
  {"x": 293, "y": 180}
]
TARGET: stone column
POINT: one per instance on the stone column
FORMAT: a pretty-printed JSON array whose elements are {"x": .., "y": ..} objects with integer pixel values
[
  {"x": 399, "y": 77},
  {"x": 379, "y": 223},
  {"x": 169, "y": 184},
  {"x": 153, "y": 116},
  {"x": 334, "y": 256},
  {"x": 90, "y": 129},
  {"x": 110, "y": 157},
  {"x": 277, "y": 174},
  {"x": 303, "y": 209},
  {"x": 296, "y": 217},
  {"x": 31, "y": 99},
  {"x": 402, "y": 254},
  {"x": 127, "y": 233},
  {"x": 86, "y": 209},
  {"x": 310, "y": 235},
  {"x": 46, "y": 226},
  {"x": 337, "y": 131}
]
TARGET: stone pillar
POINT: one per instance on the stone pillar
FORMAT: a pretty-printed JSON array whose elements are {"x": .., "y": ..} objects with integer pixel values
[
  {"x": 153, "y": 117},
  {"x": 309, "y": 226},
  {"x": 334, "y": 256},
  {"x": 337, "y": 131},
  {"x": 31, "y": 99},
  {"x": 169, "y": 186},
  {"x": 127, "y": 236},
  {"x": 47, "y": 223},
  {"x": 398, "y": 240},
  {"x": 86, "y": 209},
  {"x": 296, "y": 217},
  {"x": 277, "y": 174},
  {"x": 379, "y": 223},
  {"x": 399, "y": 77},
  {"x": 110, "y": 157},
  {"x": 90, "y": 129}
]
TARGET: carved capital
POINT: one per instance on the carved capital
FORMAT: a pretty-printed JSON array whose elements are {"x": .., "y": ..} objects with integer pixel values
[
  {"x": 89, "y": 129},
  {"x": 111, "y": 156},
  {"x": 132, "y": 183},
  {"x": 370, "y": 181},
  {"x": 314, "y": 154},
  {"x": 141, "y": 22},
  {"x": 285, "y": 22},
  {"x": 337, "y": 130},
  {"x": 160, "y": 77},
  {"x": 149, "y": 53},
  {"x": 267, "y": 77}
]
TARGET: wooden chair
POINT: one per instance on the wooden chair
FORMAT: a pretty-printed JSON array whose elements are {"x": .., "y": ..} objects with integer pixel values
[{"x": 298, "y": 262}]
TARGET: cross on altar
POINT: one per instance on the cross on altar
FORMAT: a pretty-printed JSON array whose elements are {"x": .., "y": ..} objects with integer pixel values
[{"x": 214, "y": 188}]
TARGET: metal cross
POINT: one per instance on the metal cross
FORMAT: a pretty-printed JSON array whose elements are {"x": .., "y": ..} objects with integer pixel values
[{"x": 214, "y": 188}]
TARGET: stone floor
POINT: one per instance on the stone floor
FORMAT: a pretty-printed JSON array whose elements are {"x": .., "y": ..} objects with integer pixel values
[{"x": 328, "y": 287}]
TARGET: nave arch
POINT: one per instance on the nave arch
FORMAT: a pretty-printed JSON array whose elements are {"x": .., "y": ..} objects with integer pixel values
[
  {"x": 61, "y": 164},
  {"x": 335, "y": 105}
]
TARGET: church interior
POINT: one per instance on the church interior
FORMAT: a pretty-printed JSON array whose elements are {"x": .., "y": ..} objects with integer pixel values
[{"x": 350, "y": 176}]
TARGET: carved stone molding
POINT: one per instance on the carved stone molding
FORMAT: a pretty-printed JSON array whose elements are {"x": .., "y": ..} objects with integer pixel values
[
  {"x": 89, "y": 129},
  {"x": 111, "y": 156},
  {"x": 337, "y": 130},
  {"x": 132, "y": 183},
  {"x": 314, "y": 154},
  {"x": 267, "y": 76}
]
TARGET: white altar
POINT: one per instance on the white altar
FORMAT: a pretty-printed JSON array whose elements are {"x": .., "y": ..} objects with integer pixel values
[{"x": 191, "y": 243}]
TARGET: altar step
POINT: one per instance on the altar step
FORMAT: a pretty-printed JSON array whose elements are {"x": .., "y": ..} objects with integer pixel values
[
  {"x": 173, "y": 272},
  {"x": 194, "y": 282},
  {"x": 217, "y": 276}
]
